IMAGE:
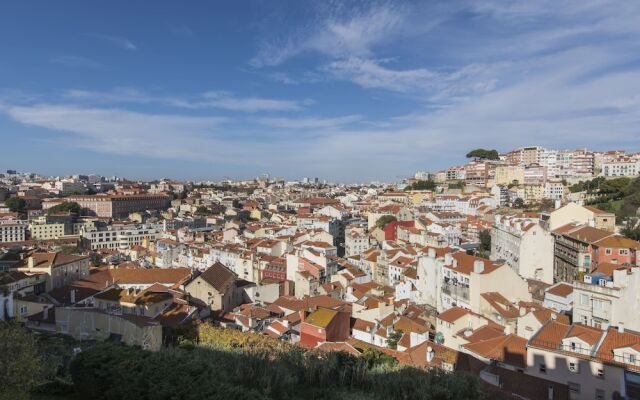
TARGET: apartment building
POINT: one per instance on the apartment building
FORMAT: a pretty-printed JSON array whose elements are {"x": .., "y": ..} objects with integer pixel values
[
  {"x": 535, "y": 174},
  {"x": 508, "y": 174},
  {"x": 120, "y": 206},
  {"x": 61, "y": 269},
  {"x": 121, "y": 237},
  {"x": 573, "y": 252},
  {"x": 12, "y": 231},
  {"x": 458, "y": 279},
  {"x": 554, "y": 190},
  {"x": 356, "y": 241},
  {"x": 524, "y": 245},
  {"x": 608, "y": 297},
  {"x": 593, "y": 363},
  {"x": 583, "y": 248},
  {"x": 621, "y": 167}
]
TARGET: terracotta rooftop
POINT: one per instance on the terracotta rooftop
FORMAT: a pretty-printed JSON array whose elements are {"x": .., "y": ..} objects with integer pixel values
[{"x": 561, "y": 289}]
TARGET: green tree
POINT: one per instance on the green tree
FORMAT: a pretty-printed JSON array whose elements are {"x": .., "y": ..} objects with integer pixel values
[
  {"x": 15, "y": 204},
  {"x": 375, "y": 358},
  {"x": 484, "y": 154},
  {"x": 384, "y": 220},
  {"x": 422, "y": 185},
  {"x": 70, "y": 249},
  {"x": 394, "y": 338},
  {"x": 631, "y": 233},
  {"x": 65, "y": 207},
  {"x": 485, "y": 240},
  {"x": 518, "y": 203},
  {"x": 20, "y": 364},
  {"x": 202, "y": 210}
]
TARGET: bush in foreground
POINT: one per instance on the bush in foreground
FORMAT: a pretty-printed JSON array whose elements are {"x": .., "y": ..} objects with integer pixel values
[{"x": 234, "y": 365}]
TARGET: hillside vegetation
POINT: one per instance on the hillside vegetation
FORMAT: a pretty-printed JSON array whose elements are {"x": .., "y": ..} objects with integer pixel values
[
  {"x": 619, "y": 195},
  {"x": 233, "y": 365}
]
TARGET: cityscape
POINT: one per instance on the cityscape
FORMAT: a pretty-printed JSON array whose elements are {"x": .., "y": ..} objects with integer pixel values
[{"x": 395, "y": 229}]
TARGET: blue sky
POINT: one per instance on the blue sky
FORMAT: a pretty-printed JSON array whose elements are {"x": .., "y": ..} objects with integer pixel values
[{"x": 349, "y": 91}]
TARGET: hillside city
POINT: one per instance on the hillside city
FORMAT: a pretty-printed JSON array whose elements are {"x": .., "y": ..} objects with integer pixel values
[{"x": 520, "y": 269}]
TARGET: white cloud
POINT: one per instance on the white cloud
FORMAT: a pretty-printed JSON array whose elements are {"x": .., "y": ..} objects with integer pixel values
[
  {"x": 336, "y": 36},
  {"x": 124, "y": 132},
  {"x": 76, "y": 61},
  {"x": 212, "y": 99},
  {"x": 250, "y": 104},
  {"x": 310, "y": 123},
  {"x": 117, "y": 41}
]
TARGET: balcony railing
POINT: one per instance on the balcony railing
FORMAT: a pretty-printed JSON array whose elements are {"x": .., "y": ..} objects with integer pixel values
[{"x": 456, "y": 290}]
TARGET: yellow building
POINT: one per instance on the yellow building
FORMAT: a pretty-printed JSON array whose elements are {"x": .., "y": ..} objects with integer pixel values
[
  {"x": 417, "y": 196},
  {"x": 46, "y": 231},
  {"x": 507, "y": 174}
]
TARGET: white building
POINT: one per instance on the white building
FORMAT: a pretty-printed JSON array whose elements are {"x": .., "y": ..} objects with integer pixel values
[
  {"x": 122, "y": 237},
  {"x": 621, "y": 167},
  {"x": 608, "y": 297},
  {"x": 554, "y": 190},
  {"x": 525, "y": 246},
  {"x": 12, "y": 231}
]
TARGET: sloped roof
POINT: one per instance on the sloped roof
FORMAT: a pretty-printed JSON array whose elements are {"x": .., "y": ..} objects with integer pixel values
[
  {"x": 219, "y": 277},
  {"x": 321, "y": 318},
  {"x": 510, "y": 349}
]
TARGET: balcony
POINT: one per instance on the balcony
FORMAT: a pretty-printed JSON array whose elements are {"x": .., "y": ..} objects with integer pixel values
[{"x": 456, "y": 290}]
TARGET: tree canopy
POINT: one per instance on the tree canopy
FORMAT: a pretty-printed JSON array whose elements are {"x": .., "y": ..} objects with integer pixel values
[
  {"x": 15, "y": 204},
  {"x": 20, "y": 363},
  {"x": 422, "y": 185},
  {"x": 202, "y": 210},
  {"x": 64, "y": 207},
  {"x": 384, "y": 220},
  {"x": 484, "y": 154}
]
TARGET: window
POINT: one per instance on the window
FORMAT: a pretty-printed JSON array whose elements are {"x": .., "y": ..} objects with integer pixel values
[
  {"x": 584, "y": 299},
  {"x": 601, "y": 373},
  {"x": 632, "y": 358},
  {"x": 543, "y": 368},
  {"x": 623, "y": 252},
  {"x": 599, "y": 394},
  {"x": 608, "y": 252},
  {"x": 573, "y": 367},
  {"x": 23, "y": 310},
  {"x": 574, "y": 389}
]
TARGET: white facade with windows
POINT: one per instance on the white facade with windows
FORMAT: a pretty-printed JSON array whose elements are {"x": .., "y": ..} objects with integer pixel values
[{"x": 12, "y": 231}]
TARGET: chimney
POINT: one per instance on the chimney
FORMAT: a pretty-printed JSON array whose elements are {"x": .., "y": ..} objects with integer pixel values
[
  {"x": 448, "y": 259},
  {"x": 620, "y": 327},
  {"x": 302, "y": 316},
  {"x": 30, "y": 262},
  {"x": 430, "y": 354},
  {"x": 507, "y": 330},
  {"x": 432, "y": 253},
  {"x": 72, "y": 296},
  {"x": 478, "y": 266},
  {"x": 523, "y": 311}
]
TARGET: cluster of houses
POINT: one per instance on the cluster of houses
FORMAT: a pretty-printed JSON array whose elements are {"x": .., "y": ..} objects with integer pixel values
[{"x": 547, "y": 310}]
